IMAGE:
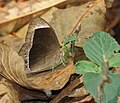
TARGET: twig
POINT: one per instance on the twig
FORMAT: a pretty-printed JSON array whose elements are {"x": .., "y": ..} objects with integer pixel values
[
  {"x": 76, "y": 28},
  {"x": 105, "y": 78},
  {"x": 65, "y": 92},
  {"x": 90, "y": 6},
  {"x": 47, "y": 4}
]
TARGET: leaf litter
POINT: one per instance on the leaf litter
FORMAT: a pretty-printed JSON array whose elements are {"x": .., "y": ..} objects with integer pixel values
[{"x": 91, "y": 15}]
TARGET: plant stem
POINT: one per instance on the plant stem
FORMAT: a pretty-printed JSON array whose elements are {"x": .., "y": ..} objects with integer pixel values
[
  {"x": 77, "y": 22},
  {"x": 105, "y": 78}
]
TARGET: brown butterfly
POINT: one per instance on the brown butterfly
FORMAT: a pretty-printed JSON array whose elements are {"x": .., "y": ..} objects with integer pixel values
[{"x": 41, "y": 48}]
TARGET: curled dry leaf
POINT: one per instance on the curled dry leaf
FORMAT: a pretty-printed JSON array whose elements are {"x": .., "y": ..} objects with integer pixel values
[
  {"x": 91, "y": 15},
  {"x": 54, "y": 80},
  {"x": 7, "y": 92},
  {"x": 12, "y": 67}
]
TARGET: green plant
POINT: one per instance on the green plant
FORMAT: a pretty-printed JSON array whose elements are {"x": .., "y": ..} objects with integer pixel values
[
  {"x": 66, "y": 41},
  {"x": 65, "y": 49},
  {"x": 100, "y": 45}
]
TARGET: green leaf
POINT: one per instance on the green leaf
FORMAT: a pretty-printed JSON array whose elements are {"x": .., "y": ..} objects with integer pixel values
[
  {"x": 85, "y": 66},
  {"x": 114, "y": 61},
  {"x": 111, "y": 90},
  {"x": 69, "y": 39},
  {"x": 91, "y": 81},
  {"x": 101, "y": 43}
]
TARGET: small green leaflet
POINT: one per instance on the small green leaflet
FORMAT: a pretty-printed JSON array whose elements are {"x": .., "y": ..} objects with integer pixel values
[
  {"x": 101, "y": 43},
  {"x": 114, "y": 61},
  {"x": 111, "y": 90},
  {"x": 69, "y": 39},
  {"x": 85, "y": 67}
]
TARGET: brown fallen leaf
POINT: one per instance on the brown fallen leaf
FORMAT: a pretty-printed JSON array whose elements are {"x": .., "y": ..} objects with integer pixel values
[
  {"x": 12, "y": 68},
  {"x": 118, "y": 100},
  {"x": 66, "y": 91},
  {"x": 16, "y": 10},
  {"x": 92, "y": 20},
  {"x": 87, "y": 99},
  {"x": 8, "y": 94},
  {"x": 7, "y": 25},
  {"x": 79, "y": 91},
  {"x": 54, "y": 80},
  {"x": 12, "y": 41}
]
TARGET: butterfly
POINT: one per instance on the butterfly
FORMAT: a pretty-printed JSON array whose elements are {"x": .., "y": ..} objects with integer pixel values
[{"x": 41, "y": 48}]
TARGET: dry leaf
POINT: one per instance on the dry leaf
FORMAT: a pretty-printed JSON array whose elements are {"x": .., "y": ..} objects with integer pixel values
[
  {"x": 79, "y": 92},
  {"x": 54, "y": 80},
  {"x": 6, "y": 26},
  {"x": 109, "y": 3},
  {"x": 87, "y": 99},
  {"x": 12, "y": 67},
  {"x": 7, "y": 92},
  {"x": 12, "y": 41},
  {"x": 67, "y": 90},
  {"x": 16, "y": 10},
  {"x": 63, "y": 20},
  {"x": 118, "y": 100}
]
